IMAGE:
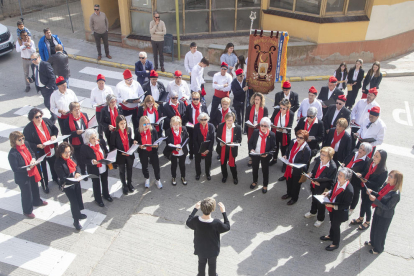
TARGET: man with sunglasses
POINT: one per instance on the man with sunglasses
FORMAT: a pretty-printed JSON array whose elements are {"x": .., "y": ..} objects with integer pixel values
[
  {"x": 181, "y": 87},
  {"x": 157, "y": 30},
  {"x": 155, "y": 88},
  {"x": 143, "y": 68},
  {"x": 287, "y": 94},
  {"x": 191, "y": 114},
  {"x": 99, "y": 25},
  {"x": 328, "y": 92},
  {"x": 26, "y": 49},
  {"x": 336, "y": 112}
]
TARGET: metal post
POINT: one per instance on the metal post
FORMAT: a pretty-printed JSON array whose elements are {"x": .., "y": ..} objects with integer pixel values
[
  {"x": 252, "y": 18},
  {"x": 21, "y": 13},
  {"x": 70, "y": 17},
  {"x": 177, "y": 20}
]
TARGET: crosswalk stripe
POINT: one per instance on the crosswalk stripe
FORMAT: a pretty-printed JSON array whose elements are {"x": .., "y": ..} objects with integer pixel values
[
  {"x": 6, "y": 129},
  {"x": 25, "y": 110},
  {"x": 54, "y": 212},
  {"x": 33, "y": 256},
  {"x": 4, "y": 161},
  {"x": 83, "y": 84},
  {"x": 400, "y": 151}
]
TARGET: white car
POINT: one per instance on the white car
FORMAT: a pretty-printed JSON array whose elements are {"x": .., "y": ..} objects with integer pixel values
[{"x": 6, "y": 40}]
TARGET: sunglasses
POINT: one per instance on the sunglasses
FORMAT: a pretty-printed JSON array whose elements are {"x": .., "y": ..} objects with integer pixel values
[
  {"x": 141, "y": 58},
  {"x": 223, "y": 69},
  {"x": 310, "y": 117},
  {"x": 174, "y": 98},
  {"x": 156, "y": 17},
  {"x": 338, "y": 103},
  {"x": 96, "y": 9},
  {"x": 196, "y": 99},
  {"x": 299, "y": 138},
  {"x": 145, "y": 124},
  {"x": 266, "y": 126},
  {"x": 40, "y": 116},
  {"x": 21, "y": 139},
  {"x": 34, "y": 59},
  {"x": 203, "y": 120}
]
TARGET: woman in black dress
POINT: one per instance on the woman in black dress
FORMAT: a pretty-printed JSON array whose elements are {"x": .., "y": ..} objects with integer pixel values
[
  {"x": 108, "y": 116},
  {"x": 372, "y": 79},
  {"x": 203, "y": 131},
  {"x": 355, "y": 77}
]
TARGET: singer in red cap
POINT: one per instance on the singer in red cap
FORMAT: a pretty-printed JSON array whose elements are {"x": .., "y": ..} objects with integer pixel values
[
  {"x": 98, "y": 99},
  {"x": 329, "y": 94},
  {"x": 181, "y": 87},
  {"x": 222, "y": 86},
  {"x": 287, "y": 94},
  {"x": 335, "y": 112},
  {"x": 239, "y": 89},
  {"x": 155, "y": 88},
  {"x": 310, "y": 102}
]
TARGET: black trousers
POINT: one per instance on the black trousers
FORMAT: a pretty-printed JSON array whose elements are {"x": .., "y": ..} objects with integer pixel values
[
  {"x": 96, "y": 184},
  {"x": 125, "y": 163},
  {"x": 224, "y": 165},
  {"x": 293, "y": 185},
  {"x": 181, "y": 161},
  {"x": 100, "y": 128},
  {"x": 256, "y": 161},
  {"x": 352, "y": 95},
  {"x": 81, "y": 164},
  {"x": 190, "y": 140},
  {"x": 42, "y": 167},
  {"x": 207, "y": 162},
  {"x": 98, "y": 38},
  {"x": 317, "y": 208},
  {"x": 158, "y": 49},
  {"x": 134, "y": 118},
  {"x": 365, "y": 206},
  {"x": 74, "y": 194},
  {"x": 212, "y": 266},
  {"x": 355, "y": 198},
  {"x": 30, "y": 195},
  {"x": 335, "y": 230},
  {"x": 214, "y": 105},
  {"x": 153, "y": 156},
  {"x": 46, "y": 93},
  {"x": 379, "y": 229},
  {"x": 279, "y": 142},
  {"x": 239, "y": 108}
]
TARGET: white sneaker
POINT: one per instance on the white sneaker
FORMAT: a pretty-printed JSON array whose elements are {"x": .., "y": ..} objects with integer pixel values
[
  {"x": 158, "y": 183},
  {"x": 318, "y": 223},
  {"x": 147, "y": 183},
  {"x": 309, "y": 215}
]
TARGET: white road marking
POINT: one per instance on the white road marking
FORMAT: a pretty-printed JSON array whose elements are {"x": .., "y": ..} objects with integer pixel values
[
  {"x": 6, "y": 129},
  {"x": 400, "y": 151},
  {"x": 83, "y": 84},
  {"x": 4, "y": 161},
  {"x": 396, "y": 114},
  {"x": 25, "y": 110},
  {"x": 54, "y": 212},
  {"x": 33, "y": 256}
]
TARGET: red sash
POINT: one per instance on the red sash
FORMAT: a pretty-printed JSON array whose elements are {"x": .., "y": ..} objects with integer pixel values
[
  {"x": 223, "y": 114},
  {"x": 177, "y": 138},
  {"x": 336, "y": 192},
  {"x": 71, "y": 164},
  {"x": 221, "y": 94},
  {"x": 146, "y": 111},
  {"x": 275, "y": 122},
  {"x": 352, "y": 162},
  {"x": 124, "y": 139},
  {"x": 27, "y": 157},
  {"x": 175, "y": 108},
  {"x": 370, "y": 171},
  {"x": 113, "y": 113},
  {"x": 43, "y": 139},
  {"x": 204, "y": 131},
  {"x": 263, "y": 141},
  {"x": 223, "y": 148},
  {"x": 197, "y": 112},
  {"x": 318, "y": 172},
  {"x": 76, "y": 140},
  {"x": 337, "y": 138},
  {"x": 146, "y": 139},
  {"x": 293, "y": 152},
  {"x": 387, "y": 188},
  {"x": 98, "y": 153},
  {"x": 251, "y": 119}
]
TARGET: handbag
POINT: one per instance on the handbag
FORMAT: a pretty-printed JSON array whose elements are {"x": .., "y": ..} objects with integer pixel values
[
  {"x": 349, "y": 87},
  {"x": 302, "y": 179}
]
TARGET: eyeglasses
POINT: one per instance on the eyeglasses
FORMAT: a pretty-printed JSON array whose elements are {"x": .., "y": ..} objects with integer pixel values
[
  {"x": 299, "y": 138},
  {"x": 266, "y": 126},
  {"x": 34, "y": 59},
  {"x": 96, "y": 9},
  {"x": 174, "y": 98},
  {"x": 21, "y": 139},
  {"x": 203, "y": 120},
  {"x": 145, "y": 124},
  {"x": 156, "y": 17},
  {"x": 196, "y": 99},
  {"x": 311, "y": 117},
  {"x": 338, "y": 103},
  {"x": 141, "y": 57},
  {"x": 40, "y": 116},
  {"x": 283, "y": 108},
  {"x": 223, "y": 69}
]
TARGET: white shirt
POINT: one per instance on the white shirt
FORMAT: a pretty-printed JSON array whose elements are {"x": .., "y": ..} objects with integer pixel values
[
  {"x": 125, "y": 92},
  {"x": 151, "y": 117},
  {"x": 182, "y": 90},
  {"x": 36, "y": 68},
  {"x": 337, "y": 188},
  {"x": 221, "y": 81},
  {"x": 304, "y": 106},
  {"x": 281, "y": 123},
  {"x": 360, "y": 111},
  {"x": 321, "y": 166},
  {"x": 376, "y": 130},
  {"x": 103, "y": 168},
  {"x": 335, "y": 114},
  {"x": 192, "y": 60},
  {"x": 62, "y": 101},
  {"x": 180, "y": 152},
  {"x": 98, "y": 96},
  {"x": 155, "y": 92},
  {"x": 26, "y": 52},
  {"x": 228, "y": 134},
  {"x": 197, "y": 78},
  {"x": 256, "y": 114},
  {"x": 330, "y": 93},
  {"x": 258, "y": 144},
  {"x": 356, "y": 72}
]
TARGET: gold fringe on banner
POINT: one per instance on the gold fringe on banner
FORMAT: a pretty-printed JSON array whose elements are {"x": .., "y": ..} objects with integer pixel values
[{"x": 283, "y": 62}]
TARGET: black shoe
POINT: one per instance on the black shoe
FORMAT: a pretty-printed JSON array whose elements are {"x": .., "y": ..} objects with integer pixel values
[
  {"x": 197, "y": 177},
  {"x": 324, "y": 238},
  {"x": 83, "y": 216},
  {"x": 100, "y": 204},
  {"x": 331, "y": 248},
  {"x": 291, "y": 202},
  {"x": 235, "y": 181},
  {"x": 130, "y": 188},
  {"x": 218, "y": 157},
  {"x": 27, "y": 89},
  {"x": 282, "y": 178},
  {"x": 173, "y": 181},
  {"x": 264, "y": 190},
  {"x": 274, "y": 161},
  {"x": 109, "y": 198},
  {"x": 253, "y": 186},
  {"x": 224, "y": 179},
  {"x": 208, "y": 177},
  {"x": 125, "y": 189},
  {"x": 286, "y": 196},
  {"x": 77, "y": 226},
  {"x": 156, "y": 68},
  {"x": 183, "y": 180},
  {"x": 191, "y": 157}
]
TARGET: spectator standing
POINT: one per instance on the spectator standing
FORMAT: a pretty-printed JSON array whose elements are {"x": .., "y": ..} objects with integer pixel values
[
  {"x": 26, "y": 48},
  {"x": 99, "y": 25},
  {"x": 21, "y": 28},
  {"x": 60, "y": 64},
  {"x": 47, "y": 44},
  {"x": 157, "y": 31},
  {"x": 143, "y": 68},
  {"x": 197, "y": 81},
  {"x": 229, "y": 56},
  {"x": 192, "y": 58}
]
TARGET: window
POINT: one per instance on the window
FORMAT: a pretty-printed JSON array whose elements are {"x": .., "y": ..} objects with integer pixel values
[
  {"x": 357, "y": 5},
  {"x": 282, "y": 4},
  {"x": 315, "y": 7},
  {"x": 308, "y": 6},
  {"x": 335, "y": 5}
]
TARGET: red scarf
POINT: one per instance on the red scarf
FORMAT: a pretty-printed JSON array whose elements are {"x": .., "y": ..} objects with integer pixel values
[
  {"x": 223, "y": 114},
  {"x": 336, "y": 192},
  {"x": 124, "y": 139},
  {"x": 43, "y": 139},
  {"x": 337, "y": 138},
  {"x": 175, "y": 107},
  {"x": 98, "y": 153},
  {"x": 71, "y": 165},
  {"x": 76, "y": 140},
  {"x": 318, "y": 172},
  {"x": 293, "y": 152},
  {"x": 275, "y": 122},
  {"x": 146, "y": 111},
  {"x": 113, "y": 113},
  {"x": 263, "y": 142},
  {"x": 251, "y": 119},
  {"x": 177, "y": 138},
  {"x": 27, "y": 157},
  {"x": 370, "y": 171},
  {"x": 204, "y": 131},
  {"x": 352, "y": 162},
  {"x": 387, "y": 188},
  {"x": 197, "y": 112},
  {"x": 307, "y": 123},
  {"x": 146, "y": 139},
  {"x": 223, "y": 148}
]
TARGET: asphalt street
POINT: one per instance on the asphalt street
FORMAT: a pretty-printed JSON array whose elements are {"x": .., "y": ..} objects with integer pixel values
[{"x": 144, "y": 233}]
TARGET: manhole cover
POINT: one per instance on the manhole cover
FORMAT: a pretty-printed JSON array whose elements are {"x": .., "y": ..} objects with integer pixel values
[{"x": 211, "y": 73}]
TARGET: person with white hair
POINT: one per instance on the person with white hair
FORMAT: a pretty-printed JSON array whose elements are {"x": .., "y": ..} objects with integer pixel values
[
  {"x": 340, "y": 198},
  {"x": 260, "y": 144},
  {"x": 203, "y": 132},
  {"x": 143, "y": 68},
  {"x": 108, "y": 116},
  {"x": 93, "y": 150},
  {"x": 174, "y": 107}
]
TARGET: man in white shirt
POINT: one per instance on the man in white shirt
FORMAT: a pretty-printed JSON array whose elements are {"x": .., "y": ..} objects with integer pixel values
[
  {"x": 60, "y": 101},
  {"x": 128, "y": 93},
  {"x": 360, "y": 112},
  {"x": 192, "y": 58},
  {"x": 155, "y": 88},
  {"x": 26, "y": 49},
  {"x": 222, "y": 86},
  {"x": 197, "y": 80},
  {"x": 180, "y": 86},
  {"x": 98, "y": 99},
  {"x": 310, "y": 101}
]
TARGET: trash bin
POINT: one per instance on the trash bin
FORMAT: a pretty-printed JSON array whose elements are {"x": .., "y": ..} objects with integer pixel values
[{"x": 169, "y": 45}]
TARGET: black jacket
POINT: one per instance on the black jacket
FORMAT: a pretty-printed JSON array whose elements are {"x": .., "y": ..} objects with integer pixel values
[
  {"x": 87, "y": 155},
  {"x": 161, "y": 88},
  {"x": 217, "y": 117},
  {"x": 373, "y": 82},
  {"x": 33, "y": 139},
  {"x": 46, "y": 75},
  {"x": 106, "y": 117},
  {"x": 302, "y": 157},
  {"x": 323, "y": 94},
  {"x": 375, "y": 181},
  {"x": 60, "y": 64},
  {"x": 317, "y": 130},
  {"x": 198, "y": 138},
  {"x": 290, "y": 123},
  {"x": 360, "y": 76},
  {"x": 358, "y": 167},
  {"x": 247, "y": 115},
  {"x": 16, "y": 162},
  {"x": 189, "y": 112},
  {"x": 170, "y": 140},
  {"x": 343, "y": 201},
  {"x": 141, "y": 112},
  {"x": 328, "y": 172},
  {"x": 328, "y": 116},
  {"x": 293, "y": 99},
  {"x": 67, "y": 130},
  {"x": 386, "y": 206},
  {"x": 116, "y": 143},
  {"x": 168, "y": 111},
  {"x": 154, "y": 137},
  {"x": 62, "y": 170},
  {"x": 237, "y": 138},
  {"x": 270, "y": 141},
  {"x": 345, "y": 145},
  {"x": 237, "y": 90}
]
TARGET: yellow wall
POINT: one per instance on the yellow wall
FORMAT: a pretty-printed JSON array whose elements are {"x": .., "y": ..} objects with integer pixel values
[
  {"x": 109, "y": 7},
  {"x": 342, "y": 32},
  {"x": 125, "y": 16}
]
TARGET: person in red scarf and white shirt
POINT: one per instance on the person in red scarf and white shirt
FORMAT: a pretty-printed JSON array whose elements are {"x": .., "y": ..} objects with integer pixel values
[
  {"x": 75, "y": 125},
  {"x": 66, "y": 167},
  {"x": 98, "y": 99},
  {"x": 203, "y": 132},
  {"x": 340, "y": 140},
  {"x": 192, "y": 112},
  {"x": 151, "y": 109},
  {"x": 222, "y": 86},
  {"x": 147, "y": 135},
  {"x": 108, "y": 116},
  {"x": 174, "y": 107},
  {"x": 93, "y": 150},
  {"x": 340, "y": 197},
  {"x": 177, "y": 135},
  {"x": 21, "y": 155},
  {"x": 298, "y": 152},
  {"x": 260, "y": 144},
  {"x": 228, "y": 132}
]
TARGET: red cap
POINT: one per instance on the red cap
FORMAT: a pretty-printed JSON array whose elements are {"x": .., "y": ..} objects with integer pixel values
[
  {"x": 333, "y": 80},
  {"x": 178, "y": 73},
  {"x": 342, "y": 98},
  {"x": 127, "y": 74},
  {"x": 223, "y": 64},
  {"x": 287, "y": 85},
  {"x": 373, "y": 91},
  {"x": 375, "y": 111},
  {"x": 100, "y": 77},
  {"x": 60, "y": 80},
  {"x": 153, "y": 74},
  {"x": 313, "y": 90},
  {"x": 239, "y": 71}
]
